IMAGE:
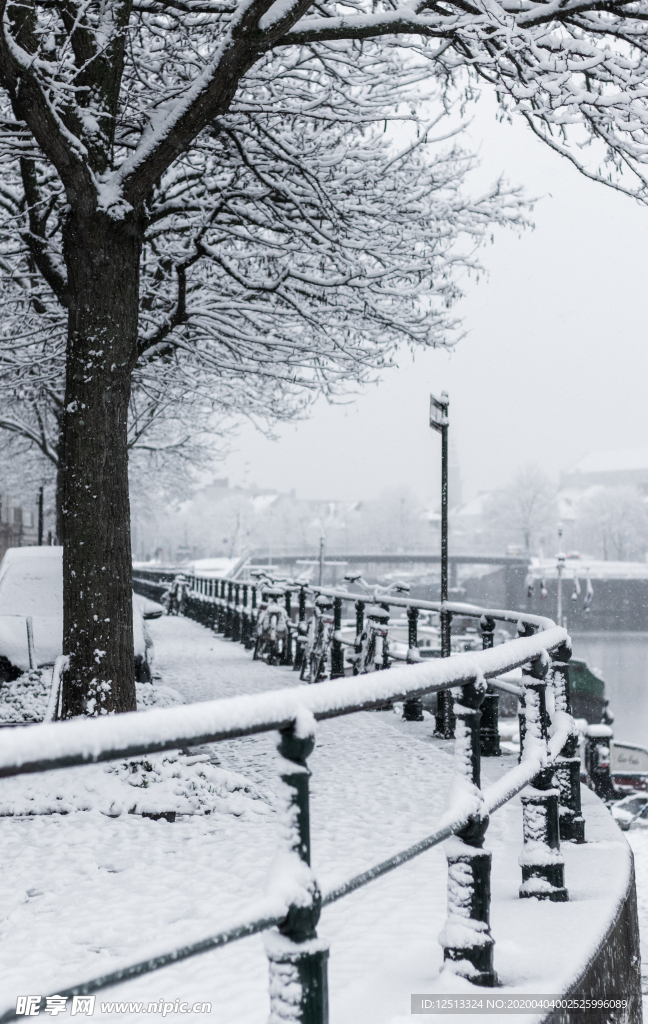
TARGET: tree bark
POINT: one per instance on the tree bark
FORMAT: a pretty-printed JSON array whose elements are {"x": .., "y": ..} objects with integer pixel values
[
  {"x": 102, "y": 256},
  {"x": 60, "y": 476}
]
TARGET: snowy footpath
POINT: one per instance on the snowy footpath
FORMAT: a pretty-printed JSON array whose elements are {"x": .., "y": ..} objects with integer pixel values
[{"x": 84, "y": 893}]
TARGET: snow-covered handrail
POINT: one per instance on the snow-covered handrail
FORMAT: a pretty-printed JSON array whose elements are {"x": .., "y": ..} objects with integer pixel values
[
  {"x": 506, "y": 686},
  {"x": 231, "y": 607},
  {"x": 271, "y": 912},
  {"x": 60, "y": 745},
  {"x": 294, "y": 906},
  {"x": 203, "y": 586},
  {"x": 454, "y": 607}
]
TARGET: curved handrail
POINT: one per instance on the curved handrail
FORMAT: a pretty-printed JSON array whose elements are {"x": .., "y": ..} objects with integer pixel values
[
  {"x": 40, "y": 747},
  {"x": 455, "y": 607},
  {"x": 63, "y": 744}
]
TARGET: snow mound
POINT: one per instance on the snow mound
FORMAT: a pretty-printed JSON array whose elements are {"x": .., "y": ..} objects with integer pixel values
[
  {"x": 152, "y": 786},
  {"x": 150, "y": 695},
  {"x": 25, "y": 699}
]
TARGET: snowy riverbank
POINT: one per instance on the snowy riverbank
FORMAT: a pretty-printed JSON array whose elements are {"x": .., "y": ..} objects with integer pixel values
[{"x": 84, "y": 893}]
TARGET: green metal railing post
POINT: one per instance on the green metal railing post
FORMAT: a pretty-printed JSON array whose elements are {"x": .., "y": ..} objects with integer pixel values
[
  {"x": 413, "y": 709},
  {"x": 246, "y": 629},
  {"x": 301, "y": 631},
  {"x": 466, "y": 938},
  {"x": 228, "y": 610},
  {"x": 337, "y": 653},
  {"x": 287, "y": 658},
  {"x": 568, "y": 764},
  {"x": 236, "y": 613},
  {"x": 253, "y": 616},
  {"x": 209, "y": 616},
  {"x": 524, "y": 629},
  {"x": 444, "y": 726},
  {"x": 201, "y": 603},
  {"x": 221, "y": 608},
  {"x": 543, "y": 868},
  {"x": 297, "y": 958},
  {"x": 359, "y": 610},
  {"x": 489, "y": 729}
]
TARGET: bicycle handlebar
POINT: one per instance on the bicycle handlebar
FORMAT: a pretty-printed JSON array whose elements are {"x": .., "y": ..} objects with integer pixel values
[{"x": 376, "y": 591}]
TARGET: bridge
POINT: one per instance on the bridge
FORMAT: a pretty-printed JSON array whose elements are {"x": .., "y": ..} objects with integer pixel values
[{"x": 394, "y": 558}]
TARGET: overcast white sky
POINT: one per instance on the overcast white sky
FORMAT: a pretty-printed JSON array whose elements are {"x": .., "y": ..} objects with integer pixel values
[{"x": 554, "y": 365}]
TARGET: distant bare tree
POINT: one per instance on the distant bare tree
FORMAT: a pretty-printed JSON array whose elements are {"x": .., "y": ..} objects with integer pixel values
[
  {"x": 392, "y": 522},
  {"x": 614, "y": 523},
  {"x": 525, "y": 510}
]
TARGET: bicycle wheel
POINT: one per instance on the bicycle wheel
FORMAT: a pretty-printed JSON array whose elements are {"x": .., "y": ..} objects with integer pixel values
[
  {"x": 258, "y": 648},
  {"x": 317, "y": 664},
  {"x": 385, "y": 652},
  {"x": 306, "y": 656},
  {"x": 369, "y": 657},
  {"x": 305, "y": 666},
  {"x": 312, "y": 640}
]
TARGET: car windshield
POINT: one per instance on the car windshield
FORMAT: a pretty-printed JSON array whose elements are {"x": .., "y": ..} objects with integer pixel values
[{"x": 31, "y": 583}]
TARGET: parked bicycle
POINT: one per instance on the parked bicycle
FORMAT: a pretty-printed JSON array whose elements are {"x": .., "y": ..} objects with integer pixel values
[
  {"x": 272, "y": 624},
  {"x": 174, "y": 598},
  {"x": 318, "y": 640},
  {"x": 371, "y": 645}
]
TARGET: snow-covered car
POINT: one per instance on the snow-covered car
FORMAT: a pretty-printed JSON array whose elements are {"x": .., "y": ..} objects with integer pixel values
[
  {"x": 31, "y": 586},
  {"x": 631, "y": 809}
]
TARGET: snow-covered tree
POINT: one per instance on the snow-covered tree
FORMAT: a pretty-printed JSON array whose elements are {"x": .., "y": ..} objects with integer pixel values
[{"x": 120, "y": 114}]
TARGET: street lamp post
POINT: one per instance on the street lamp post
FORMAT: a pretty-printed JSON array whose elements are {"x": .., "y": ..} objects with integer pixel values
[
  {"x": 321, "y": 562},
  {"x": 560, "y": 569},
  {"x": 439, "y": 422}
]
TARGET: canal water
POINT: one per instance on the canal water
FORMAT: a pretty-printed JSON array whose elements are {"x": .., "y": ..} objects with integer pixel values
[{"x": 621, "y": 659}]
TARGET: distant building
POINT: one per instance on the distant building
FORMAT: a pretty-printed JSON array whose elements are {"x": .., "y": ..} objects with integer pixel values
[
  {"x": 621, "y": 468},
  {"x": 18, "y": 528},
  {"x": 468, "y": 524}
]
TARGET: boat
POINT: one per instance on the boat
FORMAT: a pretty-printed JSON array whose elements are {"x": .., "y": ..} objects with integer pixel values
[{"x": 588, "y": 694}]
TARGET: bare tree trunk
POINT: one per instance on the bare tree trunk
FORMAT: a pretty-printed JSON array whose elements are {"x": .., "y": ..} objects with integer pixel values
[{"x": 102, "y": 256}]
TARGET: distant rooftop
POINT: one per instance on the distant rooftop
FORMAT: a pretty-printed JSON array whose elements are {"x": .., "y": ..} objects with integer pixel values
[
  {"x": 612, "y": 462},
  {"x": 625, "y": 467}
]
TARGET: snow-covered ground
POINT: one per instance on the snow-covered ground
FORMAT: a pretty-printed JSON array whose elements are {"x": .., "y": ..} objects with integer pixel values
[{"x": 84, "y": 893}]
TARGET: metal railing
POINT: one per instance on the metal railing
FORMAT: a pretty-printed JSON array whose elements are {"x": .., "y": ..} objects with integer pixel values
[
  {"x": 231, "y": 607},
  {"x": 297, "y": 957}
]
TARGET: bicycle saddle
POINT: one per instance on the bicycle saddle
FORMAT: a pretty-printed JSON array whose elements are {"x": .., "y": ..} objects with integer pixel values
[{"x": 323, "y": 601}]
